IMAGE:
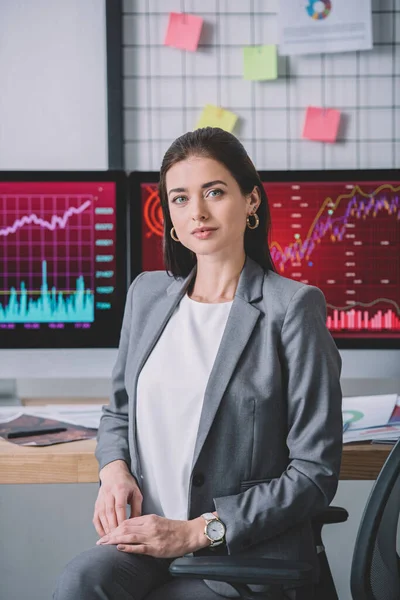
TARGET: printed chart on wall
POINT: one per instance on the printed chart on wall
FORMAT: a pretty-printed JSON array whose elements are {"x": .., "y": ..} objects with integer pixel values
[
  {"x": 343, "y": 237},
  {"x": 57, "y": 255},
  {"x": 315, "y": 26}
]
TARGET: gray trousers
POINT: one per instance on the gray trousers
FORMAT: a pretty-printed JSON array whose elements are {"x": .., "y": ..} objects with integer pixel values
[{"x": 105, "y": 573}]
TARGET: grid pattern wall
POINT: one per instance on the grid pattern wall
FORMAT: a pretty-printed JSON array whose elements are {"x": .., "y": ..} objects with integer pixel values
[{"x": 165, "y": 89}]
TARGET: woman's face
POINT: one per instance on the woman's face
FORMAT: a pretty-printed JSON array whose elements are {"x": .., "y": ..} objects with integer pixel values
[{"x": 203, "y": 194}]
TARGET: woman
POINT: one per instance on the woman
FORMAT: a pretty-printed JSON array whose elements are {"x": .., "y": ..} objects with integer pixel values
[{"x": 226, "y": 395}]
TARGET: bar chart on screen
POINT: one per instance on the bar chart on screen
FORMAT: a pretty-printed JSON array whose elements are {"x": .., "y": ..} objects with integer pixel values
[{"x": 56, "y": 252}]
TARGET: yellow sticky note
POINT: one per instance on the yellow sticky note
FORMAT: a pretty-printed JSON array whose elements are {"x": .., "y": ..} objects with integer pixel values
[
  {"x": 260, "y": 62},
  {"x": 215, "y": 116}
]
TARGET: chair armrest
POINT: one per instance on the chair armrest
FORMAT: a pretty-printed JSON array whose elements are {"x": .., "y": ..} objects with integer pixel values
[
  {"x": 243, "y": 570},
  {"x": 332, "y": 514}
]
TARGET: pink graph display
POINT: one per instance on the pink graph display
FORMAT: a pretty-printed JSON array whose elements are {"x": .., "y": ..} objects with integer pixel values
[
  {"x": 57, "y": 254},
  {"x": 345, "y": 239}
]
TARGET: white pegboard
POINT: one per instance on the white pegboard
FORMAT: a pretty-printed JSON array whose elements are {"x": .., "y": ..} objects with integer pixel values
[{"x": 165, "y": 89}]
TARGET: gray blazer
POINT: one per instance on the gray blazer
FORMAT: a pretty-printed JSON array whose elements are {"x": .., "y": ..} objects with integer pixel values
[{"x": 269, "y": 444}]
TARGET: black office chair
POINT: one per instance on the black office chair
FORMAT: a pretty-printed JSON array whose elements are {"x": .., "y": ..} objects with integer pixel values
[
  {"x": 242, "y": 571},
  {"x": 375, "y": 570},
  {"x": 325, "y": 588}
]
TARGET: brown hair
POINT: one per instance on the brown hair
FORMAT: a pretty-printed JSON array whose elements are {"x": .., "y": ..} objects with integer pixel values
[{"x": 215, "y": 143}]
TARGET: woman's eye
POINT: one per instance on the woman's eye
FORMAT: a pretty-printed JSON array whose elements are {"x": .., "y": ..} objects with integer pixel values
[
  {"x": 178, "y": 198},
  {"x": 215, "y": 193}
]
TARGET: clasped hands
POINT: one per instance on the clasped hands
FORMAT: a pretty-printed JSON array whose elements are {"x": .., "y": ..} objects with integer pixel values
[
  {"x": 153, "y": 535},
  {"x": 140, "y": 534}
]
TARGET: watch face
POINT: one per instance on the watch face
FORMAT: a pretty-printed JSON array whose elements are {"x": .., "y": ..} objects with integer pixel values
[{"x": 215, "y": 530}]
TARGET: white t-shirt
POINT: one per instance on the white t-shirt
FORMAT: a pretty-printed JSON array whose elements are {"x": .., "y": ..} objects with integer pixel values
[{"x": 170, "y": 395}]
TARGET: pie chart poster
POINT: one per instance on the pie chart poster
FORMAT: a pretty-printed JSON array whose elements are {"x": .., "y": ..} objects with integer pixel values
[{"x": 315, "y": 26}]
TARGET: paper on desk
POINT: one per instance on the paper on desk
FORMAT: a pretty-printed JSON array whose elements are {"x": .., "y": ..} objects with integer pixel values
[
  {"x": 85, "y": 415},
  {"x": 395, "y": 418},
  {"x": 386, "y": 433},
  {"x": 368, "y": 411},
  {"x": 8, "y": 413},
  {"x": 370, "y": 418},
  {"x": 34, "y": 424}
]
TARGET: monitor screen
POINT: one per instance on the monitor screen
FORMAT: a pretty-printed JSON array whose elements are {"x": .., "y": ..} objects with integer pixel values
[
  {"x": 338, "y": 230},
  {"x": 62, "y": 258}
]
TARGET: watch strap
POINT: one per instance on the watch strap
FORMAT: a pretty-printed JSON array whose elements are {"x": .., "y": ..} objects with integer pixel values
[{"x": 208, "y": 516}]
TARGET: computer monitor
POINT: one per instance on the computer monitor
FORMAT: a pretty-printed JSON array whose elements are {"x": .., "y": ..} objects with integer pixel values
[
  {"x": 338, "y": 230},
  {"x": 62, "y": 259}
]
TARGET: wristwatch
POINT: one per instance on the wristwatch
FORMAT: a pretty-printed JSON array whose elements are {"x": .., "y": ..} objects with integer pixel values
[{"x": 214, "y": 530}]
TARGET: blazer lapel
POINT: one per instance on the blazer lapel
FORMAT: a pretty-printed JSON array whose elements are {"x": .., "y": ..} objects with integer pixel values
[
  {"x": 242, "y": 319},
  {"x": 158, "y": 321},
  {"x": 240, "y": 324}
]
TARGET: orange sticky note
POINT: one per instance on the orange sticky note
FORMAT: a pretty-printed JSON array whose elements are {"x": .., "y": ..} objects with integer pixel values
[
  {"x": 321, "y": 124},
  {"x": 183, "y": 31},
  {"x": 215, "y": 116}
]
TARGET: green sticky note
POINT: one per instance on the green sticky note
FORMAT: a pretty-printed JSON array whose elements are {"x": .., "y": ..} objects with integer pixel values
[
  {"x": 260, "y": 62},
  {"x": 215, "y": 116}
]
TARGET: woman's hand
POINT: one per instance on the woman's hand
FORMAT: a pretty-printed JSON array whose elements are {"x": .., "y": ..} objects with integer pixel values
[
  {"x": 158, "y": 536},
  {"x": 118, "y": 488}
]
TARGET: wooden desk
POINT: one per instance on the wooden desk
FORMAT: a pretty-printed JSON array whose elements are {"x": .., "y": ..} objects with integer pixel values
[
  {"x": 75, "y": 462},
  {"x": 363, "y": 461},
  {"x": 62, "y": 463}
]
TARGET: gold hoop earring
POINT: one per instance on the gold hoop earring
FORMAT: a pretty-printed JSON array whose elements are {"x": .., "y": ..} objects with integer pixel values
[
  {"x": 257, "y": 221},
  {"x": 173, "y": 235}
]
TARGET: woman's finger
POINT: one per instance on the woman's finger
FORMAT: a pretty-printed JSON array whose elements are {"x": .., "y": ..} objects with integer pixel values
[
  {"x": 121, "y": 538},
  {"x": 97, "y": 525},
  {"x": 120, "y": 508},
  {"x": 100, "y": 519},
  {"x": 110, "y": 513},
  {"x": 104, "y": 521},
  {"x": 136, "y": 504},
  {"x": 134, "y": 548}
]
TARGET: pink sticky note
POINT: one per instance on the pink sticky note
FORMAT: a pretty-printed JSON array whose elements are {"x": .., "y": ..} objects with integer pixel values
[
  {"x": 321, "y": 124},
  {"x": 183, "y": 31}
]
